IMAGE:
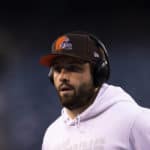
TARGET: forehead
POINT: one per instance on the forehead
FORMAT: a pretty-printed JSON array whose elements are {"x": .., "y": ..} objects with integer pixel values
[{"x": 67, "y": 60}]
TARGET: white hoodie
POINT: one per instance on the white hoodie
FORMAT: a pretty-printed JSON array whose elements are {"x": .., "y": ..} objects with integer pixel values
[{"x": 113, "y": 122}]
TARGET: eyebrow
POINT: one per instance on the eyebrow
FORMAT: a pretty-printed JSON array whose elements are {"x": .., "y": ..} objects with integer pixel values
[{"x": 70, "y": 62}]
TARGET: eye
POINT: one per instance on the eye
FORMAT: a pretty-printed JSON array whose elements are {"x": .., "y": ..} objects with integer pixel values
[{"x": 57, "y": 68}]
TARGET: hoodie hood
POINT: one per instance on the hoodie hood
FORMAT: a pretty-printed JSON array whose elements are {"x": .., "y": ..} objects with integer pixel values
[{"x": 107, "y": 96}]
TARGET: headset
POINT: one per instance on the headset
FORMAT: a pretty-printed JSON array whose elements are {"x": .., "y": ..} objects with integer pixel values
[{"x": 101, "y": 70}]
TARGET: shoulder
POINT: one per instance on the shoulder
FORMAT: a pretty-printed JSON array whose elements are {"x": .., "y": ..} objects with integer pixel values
[
  {"x": 140, "y": 131},
  {"x": 142, "y": 121},
  {"x": 53, "y": 127},
  {"x": 51, "y": 132}
]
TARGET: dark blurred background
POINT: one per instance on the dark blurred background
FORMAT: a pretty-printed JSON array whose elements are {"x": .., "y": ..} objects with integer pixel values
[{"x": 28, "y": 102}]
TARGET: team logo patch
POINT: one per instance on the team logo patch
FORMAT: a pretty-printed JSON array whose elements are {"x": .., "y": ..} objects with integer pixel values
[{"x": 63, "y": 43}]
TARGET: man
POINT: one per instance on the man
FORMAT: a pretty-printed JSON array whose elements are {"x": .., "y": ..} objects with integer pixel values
[{"x": 95, "y": 115}]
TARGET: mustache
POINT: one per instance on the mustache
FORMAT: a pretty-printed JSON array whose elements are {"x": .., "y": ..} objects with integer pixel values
[{"x": 63, "y": 86}]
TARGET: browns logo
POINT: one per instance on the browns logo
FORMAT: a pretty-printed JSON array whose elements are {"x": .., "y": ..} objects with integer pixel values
[{"x": 59, "y": 44}]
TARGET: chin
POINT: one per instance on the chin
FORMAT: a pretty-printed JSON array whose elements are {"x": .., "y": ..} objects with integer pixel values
[{"x": 67, "y": 101}]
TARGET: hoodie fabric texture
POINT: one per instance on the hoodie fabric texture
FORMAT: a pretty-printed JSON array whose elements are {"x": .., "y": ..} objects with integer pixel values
[{"x": 113, "y": 122}]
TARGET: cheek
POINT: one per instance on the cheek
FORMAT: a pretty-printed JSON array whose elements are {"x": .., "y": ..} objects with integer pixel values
[
  {"x": 85, "y": 79},
  {"x": 56, "y": 80}
]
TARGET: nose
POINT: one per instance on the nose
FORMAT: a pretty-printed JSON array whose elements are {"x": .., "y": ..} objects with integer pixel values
[{"x": 64, "y": 75}]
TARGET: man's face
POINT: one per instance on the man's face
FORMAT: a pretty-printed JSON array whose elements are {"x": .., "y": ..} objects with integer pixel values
[{"x": 73, "y": 82}]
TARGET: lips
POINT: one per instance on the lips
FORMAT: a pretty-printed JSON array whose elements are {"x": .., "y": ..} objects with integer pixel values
[{"x": 65, "y": 87}]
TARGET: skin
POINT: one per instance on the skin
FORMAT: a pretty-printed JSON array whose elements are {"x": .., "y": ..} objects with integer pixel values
[{"x": 74, "y": 84}]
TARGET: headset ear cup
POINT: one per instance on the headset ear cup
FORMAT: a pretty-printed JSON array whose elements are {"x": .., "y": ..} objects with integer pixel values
[
  {"x": 101, "y": 72},
  {"x": 50, "y": 75}
]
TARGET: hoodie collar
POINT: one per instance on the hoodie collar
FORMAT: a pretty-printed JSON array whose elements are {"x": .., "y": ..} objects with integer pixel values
[{"x": 107, "y": 96}]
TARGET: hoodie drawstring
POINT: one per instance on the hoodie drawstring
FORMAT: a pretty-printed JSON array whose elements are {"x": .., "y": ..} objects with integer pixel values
[{"x": 77, "y": 121}]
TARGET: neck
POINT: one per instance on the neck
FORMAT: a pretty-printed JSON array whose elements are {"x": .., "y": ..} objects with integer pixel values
[{"x": 75, "y": 112}]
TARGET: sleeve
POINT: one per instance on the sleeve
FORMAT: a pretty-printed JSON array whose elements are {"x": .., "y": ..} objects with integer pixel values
[{"x": 140, "y": 132}]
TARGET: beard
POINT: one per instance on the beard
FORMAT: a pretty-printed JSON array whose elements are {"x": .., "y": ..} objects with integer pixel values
[{"x": 78, "y": 97}]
